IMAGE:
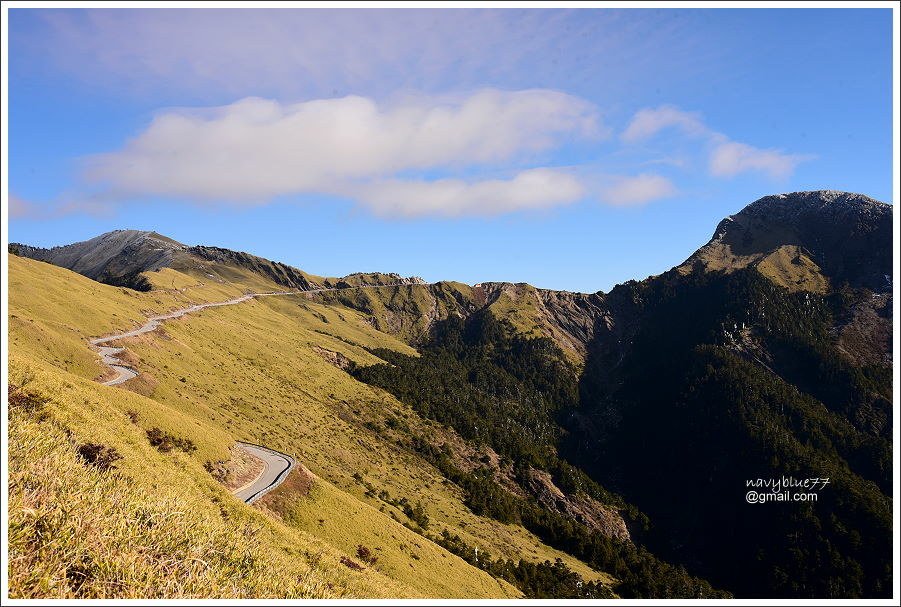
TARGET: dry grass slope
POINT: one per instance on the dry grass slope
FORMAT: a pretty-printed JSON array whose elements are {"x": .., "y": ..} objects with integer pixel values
[
  {"x": 252, "y": 372},
  {"x": 154, "y": 526}
]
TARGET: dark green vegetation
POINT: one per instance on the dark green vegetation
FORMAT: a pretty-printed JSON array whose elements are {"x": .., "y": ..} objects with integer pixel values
[
  {"x": 133, "y": 280},
  {"x": 493, "y": 388},
  {"x": 746, "y": 385},
  {"x": 720, "y": 379},
  {"x": 510, "y": 392},
  {"x": 537, "y": 580}
]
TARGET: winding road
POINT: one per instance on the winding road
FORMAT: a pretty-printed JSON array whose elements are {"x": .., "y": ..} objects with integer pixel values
[
  {"x": 276, "y": 465},
  {"x": 108, "y": 353}
]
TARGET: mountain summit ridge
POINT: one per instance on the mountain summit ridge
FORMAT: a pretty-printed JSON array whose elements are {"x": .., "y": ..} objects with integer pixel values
[
  {"x": 813, "y": 240},
  {"x": 120, "y": 257},
  {"x": 793, "y": 239}
]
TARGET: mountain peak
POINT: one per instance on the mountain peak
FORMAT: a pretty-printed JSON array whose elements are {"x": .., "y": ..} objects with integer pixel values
[
  {"x": 827, "y": 202},
  {"x": 805, "y": 240},
  {"x": 112, "y": 255}
]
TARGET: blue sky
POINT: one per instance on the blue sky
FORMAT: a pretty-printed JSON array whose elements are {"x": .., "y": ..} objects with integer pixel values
[{"x": 571, "y": 149}]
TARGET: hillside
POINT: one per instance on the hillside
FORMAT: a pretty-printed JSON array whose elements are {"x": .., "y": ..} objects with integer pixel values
[
  {"x": 769, "y": 354},
  {"x": 167, "y": 528},
  {"x": 324, "y": 420},
  {"x": 498, "y": 439}
]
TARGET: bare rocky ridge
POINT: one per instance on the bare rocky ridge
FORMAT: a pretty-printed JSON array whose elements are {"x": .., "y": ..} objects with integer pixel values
[
  {"x": 865, "y": 334},
  {"x": 815, "y": 241},
  {"x": 371, "y": 279}
]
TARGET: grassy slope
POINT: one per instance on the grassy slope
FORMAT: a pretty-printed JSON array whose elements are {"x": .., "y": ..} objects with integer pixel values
[
  {"x": 253, "y": 369},
  {"x": 301, "y": 404},
  {"x": 52, "y": 312},
  {"x": 518, "y": 305},
  {"x": 403, "y": 311},
  {"x": 84, "y": 409},
  {"x": 790, "y": 267},
  {"x": 786, "y": 265},
  {"x": 157, "y": 526}
]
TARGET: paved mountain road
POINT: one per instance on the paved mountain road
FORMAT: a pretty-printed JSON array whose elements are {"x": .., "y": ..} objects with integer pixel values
[
  {"x": 124, "y": 372},
  {"x": 108, "y": 353},
  {"x": 276, "y": 467}
]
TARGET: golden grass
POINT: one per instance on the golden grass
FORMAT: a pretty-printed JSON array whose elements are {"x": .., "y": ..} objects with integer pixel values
[
  {"x": 251, "y": 372},
  {"x": 254, "y": 369},
  {"x": 347, "y": 523},
  {"x": 791, "y": 268},
  {"x": 157, "y": 526},
  {"x": 53, "y": 312},
  {"x": 518, "y": 305},
  {"x": 762, "y": 246}
]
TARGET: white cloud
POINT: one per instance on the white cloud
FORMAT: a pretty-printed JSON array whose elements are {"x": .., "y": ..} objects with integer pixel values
[
  {"x": 256, "y": 149},
  {"x": 639, "y": 190},
  {"x": 531, "y": 189},
  {"x": 727, "y": 158},
  {"x": 648, "y": 122},
  {"x": 730, "y": 158}
]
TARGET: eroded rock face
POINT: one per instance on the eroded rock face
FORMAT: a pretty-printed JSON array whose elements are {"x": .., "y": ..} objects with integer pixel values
[
  {"x": 571, "y": 319},
  {"x": 865, "y": 334},
  {"x": 277, "y": 272},
  {"x": 335, "y": 358},
  {"x": 371, "y": 279},
  {"x": 581, "y": 508}
]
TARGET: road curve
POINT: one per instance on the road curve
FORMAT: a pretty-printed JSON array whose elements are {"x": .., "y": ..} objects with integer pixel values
[
  {"x": 276, "y": 467},
  {"x": 124, "y": 372}
]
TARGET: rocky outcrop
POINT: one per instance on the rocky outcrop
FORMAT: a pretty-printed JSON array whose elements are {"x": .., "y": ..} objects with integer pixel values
[
  {"x": 371, "y": 279},
  {"x": 581, "y": 508},
  {"x": 279, "y": 273},
  {"x": 334, "y": 358}
]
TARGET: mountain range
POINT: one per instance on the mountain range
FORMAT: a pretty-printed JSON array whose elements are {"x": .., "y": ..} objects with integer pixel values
[{"x": 593, "y": 445}]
